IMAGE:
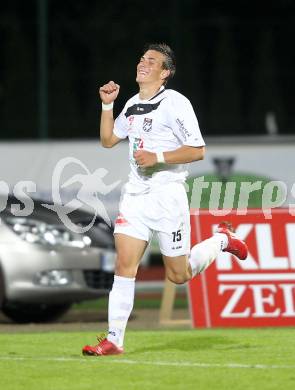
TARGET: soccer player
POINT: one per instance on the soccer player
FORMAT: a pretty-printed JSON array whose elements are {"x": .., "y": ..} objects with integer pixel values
[{"x": 163, "y": 134}]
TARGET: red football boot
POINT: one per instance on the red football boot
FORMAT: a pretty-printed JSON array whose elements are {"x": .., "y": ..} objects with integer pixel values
[
  {"x": 235, "y": 246},
  {"x": 104, "y": 347}
]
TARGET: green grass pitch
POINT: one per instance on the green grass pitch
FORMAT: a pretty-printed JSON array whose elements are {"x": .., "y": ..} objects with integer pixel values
[{"x": 172, "y": 359}]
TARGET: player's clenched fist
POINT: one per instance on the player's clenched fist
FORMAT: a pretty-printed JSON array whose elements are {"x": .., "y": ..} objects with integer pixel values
[{"x": 109, "y": 92}]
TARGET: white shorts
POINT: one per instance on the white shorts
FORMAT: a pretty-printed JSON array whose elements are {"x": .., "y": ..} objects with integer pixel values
[{"x": 164, "y": 211}]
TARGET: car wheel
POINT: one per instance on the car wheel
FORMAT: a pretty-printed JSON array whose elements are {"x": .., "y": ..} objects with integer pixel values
[{"x": 23, "y": 313}]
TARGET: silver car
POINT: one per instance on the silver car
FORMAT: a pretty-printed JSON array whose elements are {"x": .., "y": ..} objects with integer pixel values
[{"x": 45, "y": 267}]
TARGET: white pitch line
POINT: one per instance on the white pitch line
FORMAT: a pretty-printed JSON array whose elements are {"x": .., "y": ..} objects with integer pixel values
[{"x": 97, "y": 359}]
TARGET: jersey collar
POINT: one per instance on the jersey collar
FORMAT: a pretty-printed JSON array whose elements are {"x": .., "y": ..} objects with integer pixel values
[{"x": 161, "y": 90}]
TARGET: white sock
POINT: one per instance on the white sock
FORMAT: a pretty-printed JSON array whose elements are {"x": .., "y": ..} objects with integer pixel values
[
  {"x": 204, "y": 253},
  {"x": 121, "y": 300}
]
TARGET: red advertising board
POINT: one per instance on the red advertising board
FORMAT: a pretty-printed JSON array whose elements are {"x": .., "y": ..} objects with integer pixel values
[{"x": 259, "y": 291}]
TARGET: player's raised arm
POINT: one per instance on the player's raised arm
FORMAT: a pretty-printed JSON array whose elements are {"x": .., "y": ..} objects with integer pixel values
[{"x": 108, "y": 94}]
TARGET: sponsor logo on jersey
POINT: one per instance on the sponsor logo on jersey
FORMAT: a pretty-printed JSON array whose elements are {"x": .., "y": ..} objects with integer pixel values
[
  {"x": 147, "y": 125},
  {"x": 184, "y": 132},
  {"x": 130, "y": 120}
]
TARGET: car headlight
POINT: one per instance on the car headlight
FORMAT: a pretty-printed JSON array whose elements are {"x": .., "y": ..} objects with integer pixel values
[
  {"x": 54, "y": 278},
  {"x": 38, "y": 232}
]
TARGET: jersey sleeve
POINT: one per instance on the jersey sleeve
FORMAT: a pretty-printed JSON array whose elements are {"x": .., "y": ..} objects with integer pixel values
[
  {"x": 185, "y": 124},
  {"x": 121, "y": 126}
]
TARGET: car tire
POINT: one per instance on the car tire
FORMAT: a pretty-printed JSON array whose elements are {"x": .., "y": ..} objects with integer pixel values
[{"x": 27, "y": 313}]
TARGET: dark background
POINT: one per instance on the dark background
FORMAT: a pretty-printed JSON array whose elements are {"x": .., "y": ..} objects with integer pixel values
[{"x": 235, "y": 62}]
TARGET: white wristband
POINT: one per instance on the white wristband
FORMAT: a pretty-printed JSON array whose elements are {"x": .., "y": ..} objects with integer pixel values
[
  {"x": 160, "y": 157},
  {"x": 107, "y": 107}
]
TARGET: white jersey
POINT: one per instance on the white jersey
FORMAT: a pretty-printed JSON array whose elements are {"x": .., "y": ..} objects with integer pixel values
[{"x": 161, "y": 124}]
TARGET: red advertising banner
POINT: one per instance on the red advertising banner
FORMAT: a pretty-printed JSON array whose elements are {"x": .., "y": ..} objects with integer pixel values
[{"x": 259, "y": 291}]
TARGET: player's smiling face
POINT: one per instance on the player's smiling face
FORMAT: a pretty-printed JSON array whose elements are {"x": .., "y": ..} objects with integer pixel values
[{"x": 150, "y": 68}]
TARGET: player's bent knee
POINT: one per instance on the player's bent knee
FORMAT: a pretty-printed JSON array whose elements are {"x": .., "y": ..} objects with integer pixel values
[{"x": 177, "y": 278}]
